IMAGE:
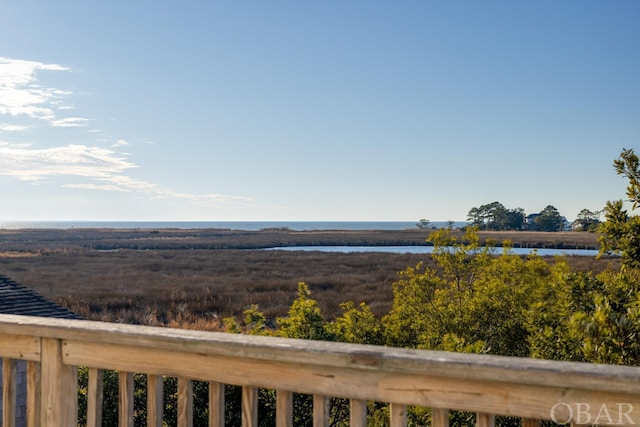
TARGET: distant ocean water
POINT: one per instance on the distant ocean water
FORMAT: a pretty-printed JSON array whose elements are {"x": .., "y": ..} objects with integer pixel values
[{"x": 234, "y": 225}]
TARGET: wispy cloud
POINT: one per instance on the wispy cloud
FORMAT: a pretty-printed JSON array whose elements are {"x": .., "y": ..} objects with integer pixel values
[
  {"x": 123, "y": 183},
  {"x": 6, "y": 127},
  {"x": 103, "y": 169},
  {"x": 120, "y": 143},
  {"x": 21, "y": 95},
  {"x": 70, "y": 122},
  {"x": 25, "y": 103},
  {"x": 30, "y": 164}
]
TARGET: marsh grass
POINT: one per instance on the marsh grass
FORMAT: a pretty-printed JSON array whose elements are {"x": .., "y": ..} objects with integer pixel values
[
  {"x": 209, "y": 239},
  {"x": 197, "y": 287}
]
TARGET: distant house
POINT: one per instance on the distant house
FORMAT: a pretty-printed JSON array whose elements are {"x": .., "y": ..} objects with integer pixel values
[
  {"x": 530, "y": 221},
  {"x": 18, "y": 299}
]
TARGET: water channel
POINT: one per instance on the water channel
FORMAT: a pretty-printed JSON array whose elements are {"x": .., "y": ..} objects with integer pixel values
[{"x": 429, "y": 249}]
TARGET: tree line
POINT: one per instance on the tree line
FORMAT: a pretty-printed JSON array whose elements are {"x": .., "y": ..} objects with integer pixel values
[{"x": 494, "y": 216}]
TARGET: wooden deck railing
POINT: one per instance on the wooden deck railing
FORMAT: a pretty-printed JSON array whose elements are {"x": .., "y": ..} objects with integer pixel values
[{"x": 487, "y": 385}]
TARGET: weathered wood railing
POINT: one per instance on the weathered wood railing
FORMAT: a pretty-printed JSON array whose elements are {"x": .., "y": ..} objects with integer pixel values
[{"x": 488, "y": 385}]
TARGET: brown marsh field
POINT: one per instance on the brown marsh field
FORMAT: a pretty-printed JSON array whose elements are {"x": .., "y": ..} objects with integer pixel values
[{"x": 194, "y": 278}]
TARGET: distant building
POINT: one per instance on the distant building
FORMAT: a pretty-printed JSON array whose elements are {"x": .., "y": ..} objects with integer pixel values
[
  {"x": 18, "y": 299},
  {"x": 530, "y": 221}
]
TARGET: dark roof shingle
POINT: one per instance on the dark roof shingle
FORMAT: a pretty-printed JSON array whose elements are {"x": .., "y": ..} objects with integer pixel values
[{"x": 18, "y": 299}]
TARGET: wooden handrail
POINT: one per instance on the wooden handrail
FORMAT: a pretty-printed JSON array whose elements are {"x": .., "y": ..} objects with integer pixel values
[{"x": 489, "y": 385}]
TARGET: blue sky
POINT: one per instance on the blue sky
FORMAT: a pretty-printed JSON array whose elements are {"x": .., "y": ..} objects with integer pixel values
[{"x": 327, "y": 110}]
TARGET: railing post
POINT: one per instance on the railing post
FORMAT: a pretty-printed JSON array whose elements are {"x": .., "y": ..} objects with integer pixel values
[
  {"x": 249, "y": 406},
  {"x": 358, "y": 413},
  {"x": 155, "y": 404},
  {"x": 33, "y": 394},
  {"x": 59, "y": 387},
  {"x": 439, "y": 417},
  {"x": 284, "y": 408},
  {"x": 320, "y": 411},
  {"x": 94, "y": 397},
  {"x": 125, "y": 397},
  {"x": 216, "y": 404},
  {"x": 185, "y": 402},
  {"x": 485, "y": 420},
  {"x": 9, "y": 389},
  {"x": 398, "y": 415}
]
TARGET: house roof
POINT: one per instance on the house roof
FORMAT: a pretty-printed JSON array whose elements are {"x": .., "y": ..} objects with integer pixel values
[{"x": 18, "y": 299}]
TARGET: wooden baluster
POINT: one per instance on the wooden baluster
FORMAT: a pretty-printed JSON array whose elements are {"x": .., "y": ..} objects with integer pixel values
[
  {"x": 398, "y": 415},
  {"x": 33, "y": 394},
  {"x": 9, "y": 391},
  {"x": 530, "y": 422},
  {"x": 358, "y": 413},
  {"x": 284, "y": 408},
  {"x": 125, "y": 396},
  {"x": 485, "y": 420},
  {"x": 249, "y": 406},
  {"x": 94, "y": 397},
  {"x": 59, "y": 387},
  {"x": 185, "y": 403},
  {"x": 320, "y": 410},
  {"x": 155, "y": 402},
  {"x": 216, "y": 404},
  {"x": 439, "y": 417}
]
